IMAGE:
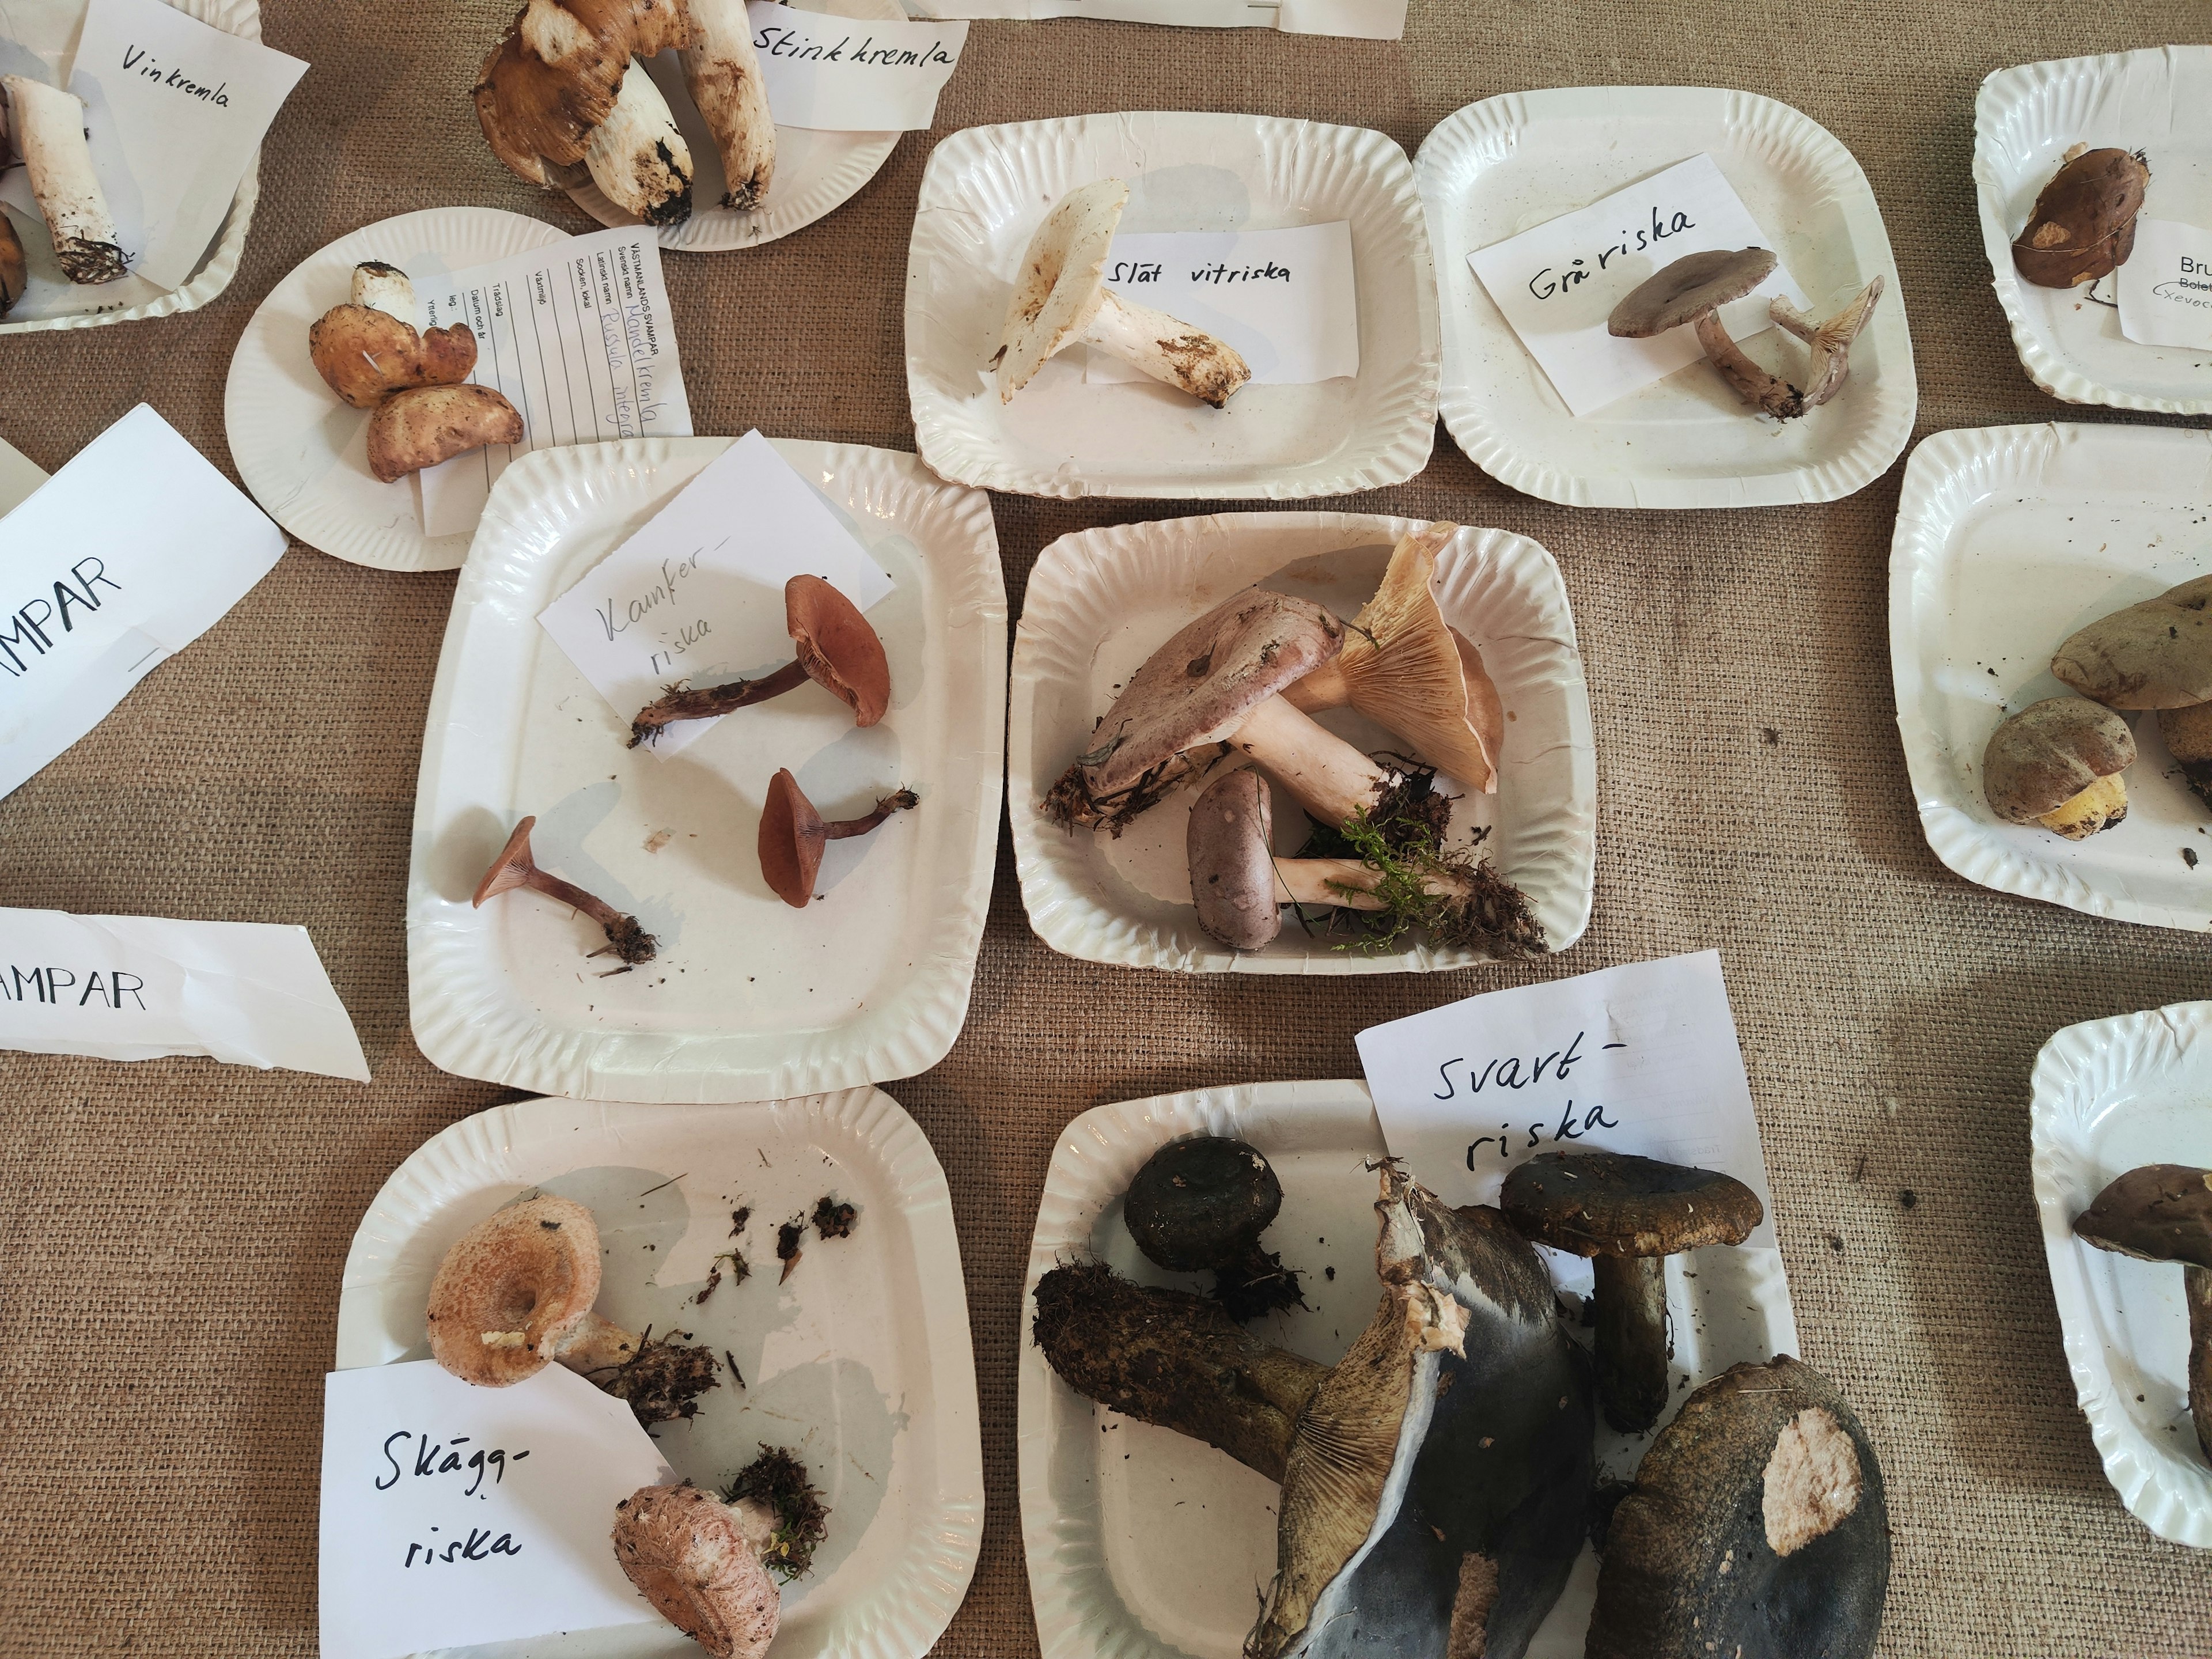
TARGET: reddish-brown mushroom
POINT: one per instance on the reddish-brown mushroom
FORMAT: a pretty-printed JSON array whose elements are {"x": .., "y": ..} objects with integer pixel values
[
  {"x": 514, "y": 868},
  {"x": 793, "y": 834},
  {"x": 837, "y": 650}
]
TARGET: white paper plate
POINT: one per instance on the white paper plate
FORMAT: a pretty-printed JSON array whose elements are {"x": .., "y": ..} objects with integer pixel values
[
  {"x": 302, "y": 452},
  {"x": 49, "y": 28},
  {"x": 2111, "y": 1095},
  {"x": 859, "y": 1362},
  {"x": 1508, "y": 164},
  {"x": 1144, "y": 1544},
  {"x": 2158, "y": 101},
  {"x": 986, "y": 191},
  {"x": 1100, "y": 601},
  {"x": 816, "y": 172},
  {"x": 748, "y": 999},
  {"x": 2009, "y": 538}
]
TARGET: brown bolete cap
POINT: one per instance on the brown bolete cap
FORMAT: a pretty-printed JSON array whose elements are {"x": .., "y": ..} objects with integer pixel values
[
  {"x": 1616, "y": 1204},
  {"x": 2159, "y": 1213},
  {"x": 2157, "y": 654},
  {"x": 2083, "y": 224},
  {"x": 837, "y": 647},
  {"x": 1198, "y": 687},
  {"x": 688, "y": 1554},
  {"x": 1685, "y": 290},
  {"x": 511, "y": 1288},
  {"x": 791, "y": 837},
  {"x": 2188, "y": 734},
  {"x": 1233, "y": 866},
  {"x": 2049, "y": 752}
]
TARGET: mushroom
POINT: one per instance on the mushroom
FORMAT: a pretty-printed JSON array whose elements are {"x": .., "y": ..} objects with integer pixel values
[
  {"x": 722, "y": 71},
  {"x": 514, "y": 868},
  {"x": 2157, "y": 654},
  {"x": 1757, "y": 1525},
  {"x": 2083, "y": 224},
  {"x": 2188, "y": 734},
  {"x": 637, "y": 156},
  {"x": 1627, "y": 1214},
  {"x": 515, "y": 1293},
  {"x": 384, "y": 288},
  {"x": 426, "y": 424},
  {"x": 370, "y": 347},
  {"x": 47, "y": 126},
  {"x": 1203, "y": 1203},
  {"x": 1239, "y": 885},
  {"x": 2163, "y": 1213},
  {"x": 1061, "y": 300},
  {"x": 837, "y": 650},
  {"x": 1695, "y": 287},
  {"x": 1411, "y": 672},
  {"x": 792, "y": 835},
  {"x": 14, "y": 268},
  {"x": 2057, "y": 763}
]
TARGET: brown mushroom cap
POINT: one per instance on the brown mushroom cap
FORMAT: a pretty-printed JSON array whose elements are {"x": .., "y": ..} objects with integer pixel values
[
  {"x": 2049, "y": 752},
  {"x": 2157, "y": 654},
  {"x": 2159, "y": 1213},
  {"x": 1684, "y": 291},
  {"x": 526, "y": 1278},
  {"x": 1616, "y": 1204},
  {"x": 2083, "y": 224},
  {"x": 1232, "y": 867},
  {"x": 688, "y": 1554},
  {"x": 1198, "y": 687},
  {"x": 791, "y": 837},
  {"x": 2188, "y": 734},
  {"x": 512, "y": 868},
  {"x": 839, "y": 650}
]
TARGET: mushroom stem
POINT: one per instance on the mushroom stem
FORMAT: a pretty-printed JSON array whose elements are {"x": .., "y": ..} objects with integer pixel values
[
  {"x": 595, "y": 1345},
  {"x": 2196, "y": 1286},
  {"x": 385, "y": 288},
  {"x": 1830, "y": 341},
  {"x": 637, "y": 157},
  {"x": 722, "y": 72},
  {"x": 1631, "y": 1303},
  {"x": 897, "y": 801},
  {"x": 1747, "y": 378},
  {"x": 48, "y": 127},
  {"x": 705, "y": 703},
  {"x": 514, "y": 867},
  {"x": 1165, "y": 347},
  {"x": 1324, "y": 773}
]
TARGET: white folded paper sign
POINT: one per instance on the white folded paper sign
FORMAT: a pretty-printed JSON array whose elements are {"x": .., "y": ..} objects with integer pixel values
[
  {"x": 2166, "y": 286},
  {"x": 852, "y": 75},
  {"x": 453, "y": 1515},
  {"x": 122, "y": 558},
  {"x": 19, "y": 477},
  {"x": 1284, "y": 299},
  {"x": 698, "y": 593},
  {"x": 1366, "y": 20},
  {"x": 577, "y": 337},
  {"x": 1557, "y": 284},
  {"x": 137, "y": 987}
]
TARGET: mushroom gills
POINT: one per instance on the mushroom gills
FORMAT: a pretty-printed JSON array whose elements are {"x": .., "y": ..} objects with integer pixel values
[{"x": 2101, "y": 805}]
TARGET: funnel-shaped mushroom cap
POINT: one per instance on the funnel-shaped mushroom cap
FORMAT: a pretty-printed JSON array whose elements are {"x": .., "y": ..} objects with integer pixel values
[
  {"x": 1201, "y": 685},
  {"x": 512, "y": 1288},
  {"x": 2157, "y": 654},
  {"x": 689, "y": 1556},
  {"x": 1438, "y": 1485},
  {"x": 1232, "y": 867},
  {"x": 2160, "y": 1212},
  {"x": 2041, "y": 757},
  {"x": 512, "y": 868},
  {"x": 1758, "y": 1526},
  {"x": 791, "y": 837},
  {"x": 837, "y": 647},
  {"x": 1614, "y": 1204},
  {"x": 1062, "y": 280},
  {"x": 1685, "y": 290}
]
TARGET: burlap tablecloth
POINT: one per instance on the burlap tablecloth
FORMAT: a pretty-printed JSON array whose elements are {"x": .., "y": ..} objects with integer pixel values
[{"x": 171, "y": 1233}]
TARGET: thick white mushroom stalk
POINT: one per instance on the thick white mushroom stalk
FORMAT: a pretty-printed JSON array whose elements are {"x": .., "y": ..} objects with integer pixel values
[
  {"x": 722, "y": 71},
  {"x": 46, "y": 125},
  {"x": 636, "y": 156}
]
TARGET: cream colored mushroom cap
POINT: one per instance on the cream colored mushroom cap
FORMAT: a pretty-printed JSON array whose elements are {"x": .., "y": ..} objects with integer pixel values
[
  {"x": 688, "y": 1554},
  {"x": 525, "y": 1279},
  {"x": 1062, "y": 280}
]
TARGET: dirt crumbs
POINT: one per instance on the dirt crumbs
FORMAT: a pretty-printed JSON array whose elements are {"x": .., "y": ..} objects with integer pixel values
[{"x": 778, "y": 1480}]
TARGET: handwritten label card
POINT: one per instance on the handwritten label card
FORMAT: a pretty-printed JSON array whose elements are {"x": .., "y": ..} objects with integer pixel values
[
  {"x": 1284, "y": 299},
  {"x": 698, "y": 593},
  {"x": 2166, "y": 286},
  {"x": 578, "y": 337},
  {"x": 453, "y": 1515},
  {"x": 1557, "y": 284},
  {"x": 1638, "y": 1058},
  {"x": 845, "y": 75},
  {"x": 136, "y": 988},
  {"x": 122, "y": 558}
]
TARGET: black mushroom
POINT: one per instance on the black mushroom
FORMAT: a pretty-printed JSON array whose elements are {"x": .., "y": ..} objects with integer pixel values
[
  {"x": 2163, "y": 1213},
  {"x": 1203, "y": 1203}
]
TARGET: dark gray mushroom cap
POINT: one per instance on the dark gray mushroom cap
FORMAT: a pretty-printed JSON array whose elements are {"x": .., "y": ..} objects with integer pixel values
[
  {"x": 1197, "y": 1203},
  {"x": 2049, "y": 752},
  {"x": 1684, "y": 291},
  {"x": 1615, "y": 1204},
  {"x": 2159, "y": 1213},
  {"x": 1232, "y": 867},
  {"x": 2157, "y": 654}
]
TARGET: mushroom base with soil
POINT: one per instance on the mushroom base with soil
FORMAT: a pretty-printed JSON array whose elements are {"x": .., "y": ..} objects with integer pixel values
[
  {"x": 626, "y": 938},
  {"x": 662, "y": 1380}
]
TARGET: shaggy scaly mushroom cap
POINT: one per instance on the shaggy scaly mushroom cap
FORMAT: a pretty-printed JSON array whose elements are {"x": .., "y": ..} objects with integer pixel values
[
  {"x": 513, "y": 1290},
  {"x": 694, "y": 1558},
  {"x": 2157, "y": 654}
]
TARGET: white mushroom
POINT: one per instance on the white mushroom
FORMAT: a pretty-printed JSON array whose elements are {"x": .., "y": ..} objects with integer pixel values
[
  {"x": 380, "y": 287},
  {"x": 722, "y": 71},
  {"x": 1061, "y": 299},
  {"x": 48, "y": 125},
  {"x": 636, "y": 156}
]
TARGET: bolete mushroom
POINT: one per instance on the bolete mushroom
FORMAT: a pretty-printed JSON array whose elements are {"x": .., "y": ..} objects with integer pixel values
[
  {"x": 838, "y": 650},
  {"x": 1627, "y": 1214},
  {"x": 2157, "y": 654},
  {"x": 1061, "y": 299},
  {"x": 426, "y": 424},
  {"x": 2083, "y": 224},
  {"x": 1758, "y": 1526},
  {"x": 46, "y": 125},
  {"x": 514, "y": 868},
  {"x": 1695, "y": 287},
  {"x": 2163, "y": 1213},
  {"x": 2188, "y": 734},
  {"x": 2058, "y": 763},
  {"x": 1202, "y": 1204},
  {"x": 792, "y": 835},
  {"x": 1239, "y": 885},
  {"x": 514, "y": 1293},
  {"x": 370, "y": 347}
]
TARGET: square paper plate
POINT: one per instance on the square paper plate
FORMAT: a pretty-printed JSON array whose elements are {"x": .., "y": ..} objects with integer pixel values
[
  {"x": 2109, "y": 1094},
  {"x": 2009, "y": 538},
  {"x": 859, "y": 1362},
  {"x": 1144, "y": 1544},
  {"x": 1506, "y": 165},
  {"x": 2158, "y": 101},
  {"x": 748, "y": 999},
  {"x": 1100, "y": 601},
  {"x": 989, "y": 188}
]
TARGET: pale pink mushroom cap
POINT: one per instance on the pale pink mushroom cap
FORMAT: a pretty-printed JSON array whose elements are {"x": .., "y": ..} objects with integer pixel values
[
  {"x": 526, "y": 1279},
  {"x": 687, "y": 1553}
]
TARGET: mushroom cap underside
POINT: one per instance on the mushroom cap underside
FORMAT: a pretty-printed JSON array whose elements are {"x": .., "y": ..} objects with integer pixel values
[
  {"x": 791, "y": 840},
  {"x": 689, "y": 1554},
  {"x": 2158, "y": 1212},
  {"x": 1684, "y": 291},
  {"x": 1758, "y": 1526},
  {"x": 1061, "y": 281},
  {"x": 837, "y": 647},
  {"x": 526, "y": 1278},
  {"x": 1199, "y": 1202},
  {"x": 1598, "y": 1203},
  {"x": 2157, "y": 654},
  {"x": 1232, "y": 865},
  {"x": 511, "y": 868},
  {"x": 2041, "y": 757}
]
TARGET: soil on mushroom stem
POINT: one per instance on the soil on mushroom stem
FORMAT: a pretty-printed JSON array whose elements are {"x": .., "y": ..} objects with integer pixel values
[
  {"x": 779, "y": 1480},
  {"x": 662, "y": 1380}
]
